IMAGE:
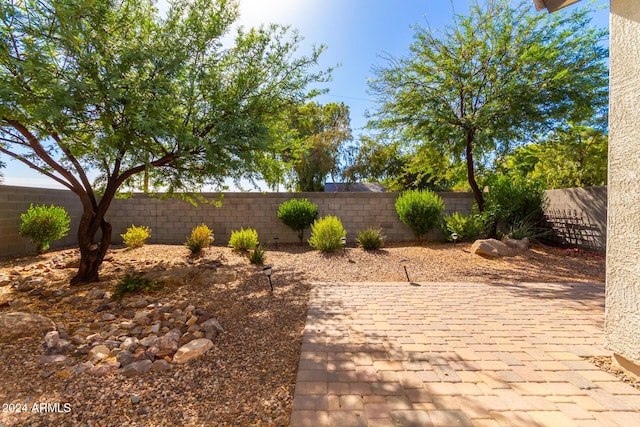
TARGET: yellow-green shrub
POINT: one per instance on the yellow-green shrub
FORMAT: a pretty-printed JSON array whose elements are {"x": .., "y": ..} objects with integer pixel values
[
  {"x": 201, "y": 237},
  {"x": 244, "y": 240},
  {"x": 134, "y": 237}
]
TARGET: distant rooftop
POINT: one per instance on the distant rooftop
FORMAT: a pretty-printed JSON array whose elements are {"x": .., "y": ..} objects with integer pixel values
[{"x": 357, "y": 187}]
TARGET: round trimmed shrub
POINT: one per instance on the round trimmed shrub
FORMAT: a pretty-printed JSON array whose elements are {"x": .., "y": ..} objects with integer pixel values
[
  {"x": 244, "y": 240},
  {"x": 370, "y": 239},
  {"x": 421, "y": 210},
  {"x": 44, "y": 224},
  {"x": 298, "y": 214},
  {"x": 326, "y": 234},
  {"x": 134, "y": 237},
  {"x": 200, "y": 238}
]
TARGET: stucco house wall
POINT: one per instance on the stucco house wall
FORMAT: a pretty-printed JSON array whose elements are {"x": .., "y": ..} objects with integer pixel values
[{"x": 622, "y": 313}]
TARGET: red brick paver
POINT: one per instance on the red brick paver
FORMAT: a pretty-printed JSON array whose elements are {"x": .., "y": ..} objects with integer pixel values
[{"x": 458, "y": 354}]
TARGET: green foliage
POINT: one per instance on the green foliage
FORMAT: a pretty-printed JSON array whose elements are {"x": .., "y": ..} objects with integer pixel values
[
  {"x": 313, "y": 144},
  {"x": 467, "y": 227},
  {"x": 258, "y": 255},
  {"x": 134, "y": 237},
  {"x": 201, "y": 237},
  {"x": 298, "y": 214},
  {"x": 566, "y": 158},
  {"x": 511, "y": 200},
  {"x": 370, "y": 239},
  {"x": 421, "y": 210},
  {"x": 326, "y": 233},
  {"x": 44, "y": 224},
  {"x": 468, "y": 91},
  {"x": 244, "y": 240},
  {"x": 134, "y": 283},
  {"x": 143, "y": 98}
]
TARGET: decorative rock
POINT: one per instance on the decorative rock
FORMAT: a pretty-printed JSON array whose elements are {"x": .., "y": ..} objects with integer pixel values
[
  {"x": 192, "y": 320},
  {"x": 211, "y": 328},
  {"x": 130, "y": 344},
  {"x": 95, "y": 293},
  {"x": 491, "y": 248},
  {"x": 51, "y": 340},
  {"x": 19, "y": 324},
  {"x": 5, "y": 281},
  {"x": 98, "y": 353},
  {"x": 517, "y": 245},
  {"x": 126, "y": 325},
  {"x": 103, "y": 369},
  {"x": 78, "y": 340},
  {"x": 186, "y": 338},
  {"x": 136, "y": 368},
  {"x": 141, "y": 318},
  {"x": 135, "y": 400},
  {"x": 108, "y": 316},
  {"x": 160, "y": 365},
  {"x": 148, "y": 341},
  {"x": 58, "y": 358},
  {"x": 125, "y": 358},
  {"x": 192, "y": 350}
]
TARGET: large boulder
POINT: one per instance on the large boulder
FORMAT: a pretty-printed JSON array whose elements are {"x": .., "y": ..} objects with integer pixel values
[
  {"x": 192, "y": 350},
  {"x": 491, "y": 248},
  {"x": 517, "y": 245},
  {"x": 19, "y": 325}
]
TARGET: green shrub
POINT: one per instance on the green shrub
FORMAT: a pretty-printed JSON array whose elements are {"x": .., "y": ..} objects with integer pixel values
[
  {"x": 421, "y": 210},
  {"x": 201, "y": 237},
  {"x": 134, "y": 237},
  {"x": 298, "y": 214},
  {"x": 258, "y": 255},
  {"x": 326, "y": 234},
  {"x": 370, "y": 239},
  {"x": 44, "y": 224},
  {"x": 512, "y": 200},
  {"x": 467, "y": 227},
  {"x": 134, "y": 283},
  {"x": 244, "y": 240}
]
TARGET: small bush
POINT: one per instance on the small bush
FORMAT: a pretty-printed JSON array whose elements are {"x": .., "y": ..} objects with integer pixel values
[
  {"x": 244, "y": 240},
  {"x": 134, "y": 237},
  {"x": 512, "y": 200},
  {"x": 258, "y": 255},
  {"x": 201, "y": 237},
  {"x": 467, "y": 227},
  {"x": 421, "y": 210},
  {"x": 326, "y": 234},
  {"x": 370, "y": 239},
  {"x": 298, "y": 214},
  {"x": 134, "y": 283},
  {"x": 44, "y": 225}
]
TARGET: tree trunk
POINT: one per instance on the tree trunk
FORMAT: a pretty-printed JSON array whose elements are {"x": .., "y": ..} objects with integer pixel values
[
  {"x": 91, "y": 252},
  {"x": 471, "y": 174}
]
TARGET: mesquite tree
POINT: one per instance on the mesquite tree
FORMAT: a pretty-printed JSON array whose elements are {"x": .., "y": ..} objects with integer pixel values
[
  {"x": 490, "y": 80},
  {"x": 114, "y": 89}
]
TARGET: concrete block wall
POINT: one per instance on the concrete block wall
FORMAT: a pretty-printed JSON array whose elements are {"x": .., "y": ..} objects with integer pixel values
[
  {"x": 590, "y": 202},
  {"x": 15, "y": 201},
  {"x": 171, "y": 220}
]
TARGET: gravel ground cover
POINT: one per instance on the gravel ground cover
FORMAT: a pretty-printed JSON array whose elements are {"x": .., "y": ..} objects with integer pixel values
[{"x": 248, "y": 378}]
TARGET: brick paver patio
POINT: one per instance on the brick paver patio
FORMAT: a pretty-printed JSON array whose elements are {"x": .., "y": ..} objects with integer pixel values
[{"x": 458, "y": 354}]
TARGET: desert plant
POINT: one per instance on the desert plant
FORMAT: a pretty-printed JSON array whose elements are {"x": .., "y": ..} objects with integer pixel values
[
  {"x": 467, "y": 227},
  {"x": 244, "y": 239},
  {"x": 44, "y": 224},
  {"x": 326, "y": 234},
  {"x": 421, "y": 210},
  {"x": 512, "y": 200},
  {"x": 370, "y": 239},
  {"x": 134, "y": 283},
  {"x": 200, "y": 238},
  {"x": 298, "y": 214},
  {"x": 134, "y": 237},
  {"x": 258, "y": 255}
]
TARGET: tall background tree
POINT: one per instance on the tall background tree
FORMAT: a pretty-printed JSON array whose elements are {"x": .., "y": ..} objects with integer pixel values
[
  {"x": 110, "y": 87},
  {"x": 489, "y": 81},
  {"x": 313, "y": 144}
]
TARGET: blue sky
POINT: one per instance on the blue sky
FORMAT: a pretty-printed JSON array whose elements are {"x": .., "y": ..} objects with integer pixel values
[{"x": 355, "y": 32}]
